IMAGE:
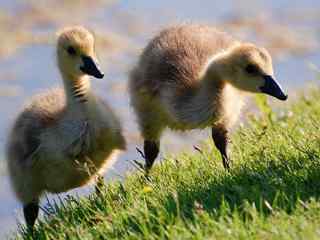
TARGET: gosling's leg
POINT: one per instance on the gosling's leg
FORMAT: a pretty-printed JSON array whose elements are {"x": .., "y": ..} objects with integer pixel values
[
  {"x": 151, "y": 151},
  {"x": 30, "y": 211},
  {"x": 99, "y": 184},
  {"x": 221, "y": 140}
]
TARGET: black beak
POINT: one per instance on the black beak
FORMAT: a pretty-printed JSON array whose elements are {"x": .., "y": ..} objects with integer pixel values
[
  {"x": 90, "y": 67},
  {"x": 272, "y": 88}
]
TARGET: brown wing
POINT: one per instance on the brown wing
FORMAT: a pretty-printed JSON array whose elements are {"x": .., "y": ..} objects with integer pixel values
[{"x": 43, "y": 111}]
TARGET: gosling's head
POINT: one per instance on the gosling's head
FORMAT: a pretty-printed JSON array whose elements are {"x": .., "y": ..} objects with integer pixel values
[
  {"x": 76, "y": 54},
  {"x": 249, "y": 68}
]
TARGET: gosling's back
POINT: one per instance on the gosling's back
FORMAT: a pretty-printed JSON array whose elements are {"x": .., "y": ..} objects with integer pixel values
[{"x": 176, "y": 57}]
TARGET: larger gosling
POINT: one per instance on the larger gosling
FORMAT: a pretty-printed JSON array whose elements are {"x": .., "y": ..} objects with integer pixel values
[
  {"x": 194, "y": 76},
  {"x": 65, "y": 137}
]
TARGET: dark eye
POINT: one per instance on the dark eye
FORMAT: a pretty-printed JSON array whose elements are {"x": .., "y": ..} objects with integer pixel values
[
  {"x": 71, "y": 51},
  {"x": 252, "y": 69}
]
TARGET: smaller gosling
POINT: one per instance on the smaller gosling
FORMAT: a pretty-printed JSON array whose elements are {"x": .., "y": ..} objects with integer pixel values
[
  {"x": 65, "y": 137},
  {"x": 194, "y": 76}
]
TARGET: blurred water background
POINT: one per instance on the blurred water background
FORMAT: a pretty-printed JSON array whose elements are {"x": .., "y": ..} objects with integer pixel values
[{"x": 289, "y": 29}]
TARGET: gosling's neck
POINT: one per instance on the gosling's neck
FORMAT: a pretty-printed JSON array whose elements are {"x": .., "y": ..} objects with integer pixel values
[
  {"x": 207, "y": 102},
  {"x": 77, "y": 90}
]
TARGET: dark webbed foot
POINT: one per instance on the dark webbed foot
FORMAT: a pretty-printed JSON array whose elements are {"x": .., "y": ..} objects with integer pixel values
[
  {"x": 30, "y": 212},
  {"x": 151, "y": 151},
  {"x": 221, "y": 140}
]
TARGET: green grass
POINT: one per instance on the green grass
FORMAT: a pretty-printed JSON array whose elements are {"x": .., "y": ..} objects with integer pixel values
[{"x": 272, "y": 191}]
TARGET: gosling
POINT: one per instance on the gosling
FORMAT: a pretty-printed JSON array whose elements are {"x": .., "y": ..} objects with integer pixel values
[
  {"x": 193, "y": 77},
  {"x": 65, "y": 137}
]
